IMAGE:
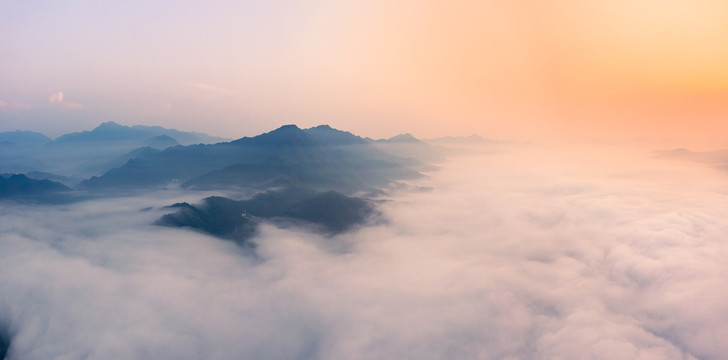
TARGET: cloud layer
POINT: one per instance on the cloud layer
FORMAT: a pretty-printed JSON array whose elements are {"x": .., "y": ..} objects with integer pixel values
[{"x": 539, "y": 255}]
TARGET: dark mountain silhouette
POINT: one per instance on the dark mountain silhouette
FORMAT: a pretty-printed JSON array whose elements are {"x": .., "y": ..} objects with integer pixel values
[
  {"x": 330, "y": 211},
  {"x": 320, "y": 157},
  {"x": 284, "y": 136},
  {"x": 4, "y": 343},
  {"x": 21, "y": 186},
  {"x": 328, "y": 135}
]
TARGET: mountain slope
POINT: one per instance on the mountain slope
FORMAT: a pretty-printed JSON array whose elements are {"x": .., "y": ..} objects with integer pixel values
[
  {"x": 330, "y": 211},
  {"x": 24, "y": 138},
  {"x": 320, "y": 157},
  {"x": 112, "y": 132},
  {"x": 21, "y": 186}
]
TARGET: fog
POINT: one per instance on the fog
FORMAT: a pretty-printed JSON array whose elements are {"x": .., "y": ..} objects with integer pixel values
[{"x": 533, "y": 253}]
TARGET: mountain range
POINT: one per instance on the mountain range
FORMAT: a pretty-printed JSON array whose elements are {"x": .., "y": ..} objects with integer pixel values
[
  {"x": 21, "y": 187},
  {"x": 82, "y": 154},
  {"x": 320, "y": 158},
  {"x": 308, "y": 176}
]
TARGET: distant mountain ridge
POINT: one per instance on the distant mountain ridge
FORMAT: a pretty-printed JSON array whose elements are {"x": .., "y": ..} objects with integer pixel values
[
  {"x": 21, "y": 186},
  {"x": 320, "y": 157},
  {"x": 401, "y": 138},
  {"x": 24, "y": 138},
  {"x": 303, "y": 177},
  {"x": 86, "y": 153},
  {"x": 111, "y": 131}
]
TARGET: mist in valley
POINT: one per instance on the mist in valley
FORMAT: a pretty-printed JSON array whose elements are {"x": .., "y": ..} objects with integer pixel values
[{"x": 529, "y": 252}]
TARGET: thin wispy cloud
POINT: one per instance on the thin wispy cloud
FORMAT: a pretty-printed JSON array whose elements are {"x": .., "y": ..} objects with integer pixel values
[
  {"x": 57, "y": 99},
  {"x": 14, "y": 105}
]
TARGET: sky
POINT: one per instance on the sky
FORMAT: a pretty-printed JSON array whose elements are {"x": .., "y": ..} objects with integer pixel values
[{"x": 550, "y": 71}]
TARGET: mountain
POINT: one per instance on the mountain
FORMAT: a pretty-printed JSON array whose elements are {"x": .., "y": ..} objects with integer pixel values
[
  {"x": 161, "y": 142},
  {"x": 18, "y": 151},
  {"x": 4, "y": 343},
  {"x": 86, "y": 153},
  {"x": 285, "y": 136},
  {"x": 329, "y": 211},
  {"x": 15, "y": 159},
  {"x": 19, "y": 186},
  {"x": 39, "y": 175},
  {"x": 183, "y": 137},
  {"x": 321, "y": 157},
  {"x": 23, "y": 138},
  {"x": 106, "y": 132},
  {"x": 102, "y": 167},
  {"x": 111, "y": 132},
  {"x": 328, "y": 135},
  {"x": 406, "y": 145},
  {"x": 401, "y": 138}
]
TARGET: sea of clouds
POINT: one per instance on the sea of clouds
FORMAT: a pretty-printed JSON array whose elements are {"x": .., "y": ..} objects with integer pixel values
[{"x": 530, "y": 254}]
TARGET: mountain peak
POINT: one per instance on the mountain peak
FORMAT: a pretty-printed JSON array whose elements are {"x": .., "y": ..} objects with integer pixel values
[
  {"x": 406, "y": 137},
  {"x": 287, "y": 127},
  {"x": 19, "y": 137},
  {"x": 323, "y": 127},
  {"x": 327, "y": 135},
  {"x": 286, "y": 135},
  {"x": 109, "y": 125}
]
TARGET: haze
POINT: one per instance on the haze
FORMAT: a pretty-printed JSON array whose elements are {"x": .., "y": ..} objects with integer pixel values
[{"x": 532, "y": 254}]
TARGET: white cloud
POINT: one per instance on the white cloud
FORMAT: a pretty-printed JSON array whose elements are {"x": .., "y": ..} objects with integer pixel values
[
  {"x": 72, "y": 105},
  {"x": 56, "y": 97},
  {"x": 511, "y": 256},
  {"x": 14, "y": 105}
]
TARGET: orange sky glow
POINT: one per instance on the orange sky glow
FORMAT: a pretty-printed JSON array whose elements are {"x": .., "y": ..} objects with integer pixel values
[
  {"x": 547, "y": 70},
  {"x": 568, "y": 69}
]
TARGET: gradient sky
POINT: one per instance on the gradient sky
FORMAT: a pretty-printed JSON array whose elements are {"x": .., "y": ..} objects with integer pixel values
[{"x": 542, "y": 70}]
